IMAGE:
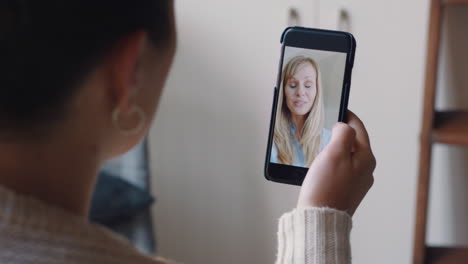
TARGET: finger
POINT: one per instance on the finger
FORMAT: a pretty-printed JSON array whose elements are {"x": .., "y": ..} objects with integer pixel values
[
  {"x": 364, "y": 160},
  {"x": 343, "y": 137},
  {"x": 362, "y": 137}
]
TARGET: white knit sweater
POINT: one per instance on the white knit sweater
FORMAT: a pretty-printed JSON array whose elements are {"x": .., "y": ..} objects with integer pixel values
[{"x": 32, "y": 232}]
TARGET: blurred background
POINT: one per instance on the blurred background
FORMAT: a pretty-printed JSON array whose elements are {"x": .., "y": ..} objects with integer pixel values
[{"x": 208, "y": 143}]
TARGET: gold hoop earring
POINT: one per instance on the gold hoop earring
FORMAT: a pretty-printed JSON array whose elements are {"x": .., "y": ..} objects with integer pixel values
[{"x": 135, "y": 110}]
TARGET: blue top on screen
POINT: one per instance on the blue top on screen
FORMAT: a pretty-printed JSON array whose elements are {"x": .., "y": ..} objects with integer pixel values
[{"x": 299, "y": 160}]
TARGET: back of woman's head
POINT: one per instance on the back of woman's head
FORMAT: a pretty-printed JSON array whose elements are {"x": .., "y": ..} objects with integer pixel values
[{"x": 48, "y": 47}]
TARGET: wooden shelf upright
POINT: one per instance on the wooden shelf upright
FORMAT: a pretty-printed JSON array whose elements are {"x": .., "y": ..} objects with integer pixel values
[{"x": 447, "y": 127}]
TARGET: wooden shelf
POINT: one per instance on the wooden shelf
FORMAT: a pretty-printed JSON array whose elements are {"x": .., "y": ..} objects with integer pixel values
[
  {"x": 455, "y": 2},
  {"x": 451, "y": 127},
  {"x": 447, "y": 127},
  {"x": 444, "y": 255}
]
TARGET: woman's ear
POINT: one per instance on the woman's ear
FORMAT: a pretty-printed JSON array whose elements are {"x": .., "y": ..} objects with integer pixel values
[{"x": 123, "y": 69}]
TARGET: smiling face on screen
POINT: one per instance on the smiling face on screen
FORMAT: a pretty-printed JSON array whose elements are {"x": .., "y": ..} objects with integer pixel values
[{"x": 300, "y": 90}]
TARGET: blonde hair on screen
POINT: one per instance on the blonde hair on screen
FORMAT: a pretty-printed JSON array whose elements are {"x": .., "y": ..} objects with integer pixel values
[{"x": 311, "y": 134}]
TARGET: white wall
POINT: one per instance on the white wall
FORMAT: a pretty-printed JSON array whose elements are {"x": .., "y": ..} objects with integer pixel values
[
  {"x": 209, "y": 139},
  {"x": 332, "y": 80}
]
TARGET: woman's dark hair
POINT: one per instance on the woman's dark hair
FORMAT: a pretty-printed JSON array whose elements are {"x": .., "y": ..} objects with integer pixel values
[{"x": 48, "y": 46}]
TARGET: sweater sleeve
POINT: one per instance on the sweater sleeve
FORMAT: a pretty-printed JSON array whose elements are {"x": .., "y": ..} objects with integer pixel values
[{"x": 314, "y": 236}]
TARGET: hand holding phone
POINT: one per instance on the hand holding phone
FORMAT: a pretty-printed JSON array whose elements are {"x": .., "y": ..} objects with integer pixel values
[
  {"x": 311, "y": 95},
  {"x": 341, "y": 175}
]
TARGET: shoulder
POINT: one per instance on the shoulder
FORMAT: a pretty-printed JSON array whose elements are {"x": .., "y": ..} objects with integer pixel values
[
  {"x": 326, "y": 137},
  {"x": 163, "y": 261},
  {"x": 274, "y": 153},
  {"x": 326, "y": 133}
]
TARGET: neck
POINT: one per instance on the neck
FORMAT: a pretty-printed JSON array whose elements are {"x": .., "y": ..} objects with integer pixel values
[
  {"x": 61, "y": 172},
  {"x": 298, "y": 122}
]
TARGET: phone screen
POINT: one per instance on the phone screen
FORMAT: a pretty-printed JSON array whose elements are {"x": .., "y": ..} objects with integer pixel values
[
  {"x": 308, "y": 104},
  {"x": 311, "y": 95}
]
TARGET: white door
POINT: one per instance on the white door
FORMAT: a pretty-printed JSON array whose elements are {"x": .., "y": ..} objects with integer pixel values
[
  {"x": 209, "y": 139},
  {"x": 386, "y": 93}
]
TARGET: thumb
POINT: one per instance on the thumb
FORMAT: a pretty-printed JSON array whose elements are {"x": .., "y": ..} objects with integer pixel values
[{"x": 343, "y": 137}]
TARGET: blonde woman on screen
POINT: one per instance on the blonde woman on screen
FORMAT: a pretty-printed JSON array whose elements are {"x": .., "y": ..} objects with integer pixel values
[{"x": 299, "y": 133}]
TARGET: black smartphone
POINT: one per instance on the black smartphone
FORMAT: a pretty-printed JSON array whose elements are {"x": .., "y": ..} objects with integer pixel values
[{"x": 310, "y": 96}]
